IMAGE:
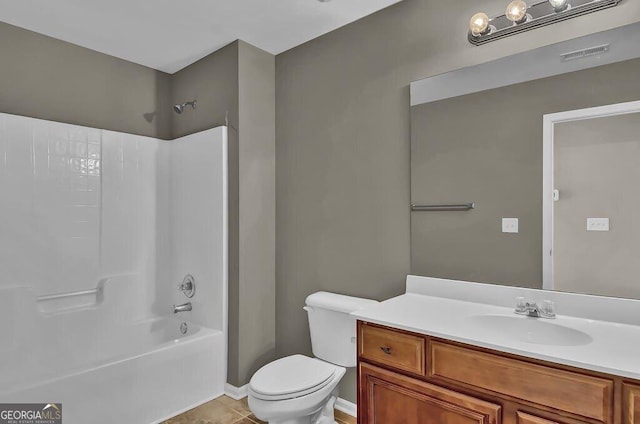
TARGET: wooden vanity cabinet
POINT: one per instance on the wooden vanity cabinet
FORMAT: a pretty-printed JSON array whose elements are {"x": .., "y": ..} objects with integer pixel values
[{"x": 409, "y": 378}]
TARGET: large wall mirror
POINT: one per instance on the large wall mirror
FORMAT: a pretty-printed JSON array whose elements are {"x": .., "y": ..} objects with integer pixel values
[{"x": 478, "y": 137}]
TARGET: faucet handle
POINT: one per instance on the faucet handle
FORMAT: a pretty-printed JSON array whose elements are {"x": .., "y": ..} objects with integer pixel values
[
  {"x": 188, "y": 286},
  {"x": 548, "y": 309},
  {"x": 521, "y": 305}
]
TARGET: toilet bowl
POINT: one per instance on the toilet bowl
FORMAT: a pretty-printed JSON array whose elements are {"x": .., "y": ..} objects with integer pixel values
[{"x": 298, "y": 389}]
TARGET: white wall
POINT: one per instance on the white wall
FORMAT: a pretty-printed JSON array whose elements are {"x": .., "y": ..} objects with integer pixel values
[
  {"x": 135, "y": 216},
  {"x": 50, "y": 193},
  {"x": 198, "y": 219},
  {"x": 80, "y": 205}
]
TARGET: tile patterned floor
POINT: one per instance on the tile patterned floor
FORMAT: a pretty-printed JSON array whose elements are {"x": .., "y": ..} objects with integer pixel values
[{"x": 225, "y": 410}]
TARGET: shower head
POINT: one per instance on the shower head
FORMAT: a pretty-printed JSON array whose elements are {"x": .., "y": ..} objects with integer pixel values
[{"x": 179, "y": 108}]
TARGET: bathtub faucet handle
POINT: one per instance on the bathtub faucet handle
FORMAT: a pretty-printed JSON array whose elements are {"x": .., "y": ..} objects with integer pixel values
[{"x": 188, "y": 286}]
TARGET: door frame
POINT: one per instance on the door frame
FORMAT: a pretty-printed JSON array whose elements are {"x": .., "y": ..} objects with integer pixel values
[{"x": 549, "y": 122}]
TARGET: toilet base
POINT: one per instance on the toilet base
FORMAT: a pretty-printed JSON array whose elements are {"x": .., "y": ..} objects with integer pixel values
[{"x": 323, "y": 416}]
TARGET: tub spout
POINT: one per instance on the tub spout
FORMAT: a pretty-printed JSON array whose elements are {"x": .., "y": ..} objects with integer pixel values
[{"x": 182, "y": 308}]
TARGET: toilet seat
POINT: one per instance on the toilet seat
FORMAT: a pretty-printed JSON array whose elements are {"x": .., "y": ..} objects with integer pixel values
[{"x": 291, "y": 377}]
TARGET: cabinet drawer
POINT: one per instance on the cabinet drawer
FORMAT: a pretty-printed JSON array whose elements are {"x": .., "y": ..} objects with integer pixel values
[
  {"x": 398, "y": 350},
  {"x": 575, "y": 393}
]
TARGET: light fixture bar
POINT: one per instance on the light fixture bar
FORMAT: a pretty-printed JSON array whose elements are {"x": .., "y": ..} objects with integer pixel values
[{"x": 538, "y": 15}]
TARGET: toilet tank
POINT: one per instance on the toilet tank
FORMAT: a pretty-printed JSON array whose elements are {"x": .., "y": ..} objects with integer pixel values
[{"x": 333, "y": 330}]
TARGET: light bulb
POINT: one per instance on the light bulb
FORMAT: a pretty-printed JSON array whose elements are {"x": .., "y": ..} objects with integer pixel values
[
  {"x": 559, "y": 5},
  {"x": 479, "y": 24},
  {"x": 516, "y": 11}
]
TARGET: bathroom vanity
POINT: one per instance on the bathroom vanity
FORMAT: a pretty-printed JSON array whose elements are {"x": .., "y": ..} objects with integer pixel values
[{"x": 453, "y": 352}]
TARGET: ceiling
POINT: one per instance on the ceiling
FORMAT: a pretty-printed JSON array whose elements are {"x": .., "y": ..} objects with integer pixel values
[{"x": 169, "y": 35}]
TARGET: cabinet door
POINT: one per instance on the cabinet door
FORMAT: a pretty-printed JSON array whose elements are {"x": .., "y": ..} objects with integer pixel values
[
  {"x": 630, "y": 404},
  {"x": 386, "y": 397}
]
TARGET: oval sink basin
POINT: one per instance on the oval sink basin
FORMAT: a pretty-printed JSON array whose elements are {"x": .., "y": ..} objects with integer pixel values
[{"x": 531, "y": 330}]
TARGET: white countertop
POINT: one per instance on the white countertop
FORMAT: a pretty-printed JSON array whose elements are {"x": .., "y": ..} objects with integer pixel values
[{"x": 614, "y": 348}]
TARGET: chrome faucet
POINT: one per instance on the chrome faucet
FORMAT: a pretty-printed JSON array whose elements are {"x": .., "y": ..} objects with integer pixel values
[
  {"x": 531, "y": 309},
  {"x": 182, "y": 308}
]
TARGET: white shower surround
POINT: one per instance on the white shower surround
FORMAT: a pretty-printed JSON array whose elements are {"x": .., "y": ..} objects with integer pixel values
[{"x": 117, "y": 219}]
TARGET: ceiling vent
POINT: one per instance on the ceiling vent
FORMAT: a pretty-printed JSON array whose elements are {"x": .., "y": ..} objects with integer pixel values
[{"x": 581, "y": 54}]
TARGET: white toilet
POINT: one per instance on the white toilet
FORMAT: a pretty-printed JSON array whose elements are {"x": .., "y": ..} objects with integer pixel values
[{"x": 302, "y": 390}]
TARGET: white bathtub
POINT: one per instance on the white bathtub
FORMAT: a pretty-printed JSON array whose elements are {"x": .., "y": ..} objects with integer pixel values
[{"x": 140, "y": 374}]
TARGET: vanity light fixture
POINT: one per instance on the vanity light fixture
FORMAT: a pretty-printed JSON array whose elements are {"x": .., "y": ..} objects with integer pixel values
[{"x": 520, "y": 16}]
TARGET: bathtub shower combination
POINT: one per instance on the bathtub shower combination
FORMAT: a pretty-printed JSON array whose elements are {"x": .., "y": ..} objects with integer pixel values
[{"x": 98, "y": 230}]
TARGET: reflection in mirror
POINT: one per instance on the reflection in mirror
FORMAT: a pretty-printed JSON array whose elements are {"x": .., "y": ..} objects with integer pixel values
[
  {"x": 591, "y": 161},
  {"x": 477, "y": 136}
]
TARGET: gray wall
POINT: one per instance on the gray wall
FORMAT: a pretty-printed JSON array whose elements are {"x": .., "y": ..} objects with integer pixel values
[
  {"x": 487, "y": 148},
  {"x": 257, "y": 189},
  {"x": 342, "y": 143},
  {"x": 50, "y": 79},
  {"x": 213, "y": 81},
  {"x": 596, "y": 170}
]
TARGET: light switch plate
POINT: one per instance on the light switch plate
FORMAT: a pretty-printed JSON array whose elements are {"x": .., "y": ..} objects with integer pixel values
[
  {"x": 509, "y": 225},
  {"x": 597, "y": 224}
]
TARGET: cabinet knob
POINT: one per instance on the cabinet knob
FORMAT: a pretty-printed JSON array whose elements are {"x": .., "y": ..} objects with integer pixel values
[{"x": 386, "y": 349}]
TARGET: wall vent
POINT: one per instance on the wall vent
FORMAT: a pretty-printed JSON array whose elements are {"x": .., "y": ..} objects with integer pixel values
[{"x": 581, "y": 54}]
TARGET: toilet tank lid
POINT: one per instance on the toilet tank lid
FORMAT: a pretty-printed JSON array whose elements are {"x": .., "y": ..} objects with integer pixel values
[{"x": 338, "y": 302}]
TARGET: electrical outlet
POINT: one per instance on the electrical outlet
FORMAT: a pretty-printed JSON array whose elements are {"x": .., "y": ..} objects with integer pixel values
[
  {"x": 509, "y": 225},
  {"x": 597, "y": 224}
]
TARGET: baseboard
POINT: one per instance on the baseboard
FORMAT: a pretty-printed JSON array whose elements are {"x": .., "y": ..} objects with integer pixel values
[
  {"x": 347, "y": 407},
  {"x": 236, "y": 393},
  {"x": 241, "y": 392}
]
